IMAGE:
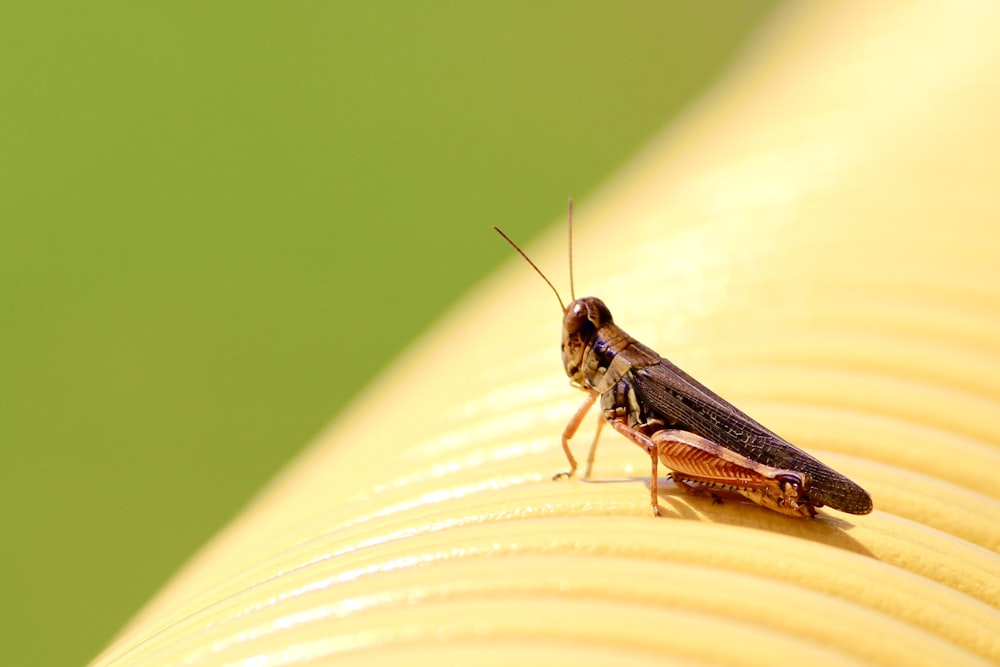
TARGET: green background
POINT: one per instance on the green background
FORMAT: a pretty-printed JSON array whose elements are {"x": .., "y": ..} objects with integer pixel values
[{"x": 220, "y": 220}]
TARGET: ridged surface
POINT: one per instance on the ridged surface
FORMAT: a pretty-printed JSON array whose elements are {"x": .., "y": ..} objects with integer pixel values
[{"x": 819, "y": 242}]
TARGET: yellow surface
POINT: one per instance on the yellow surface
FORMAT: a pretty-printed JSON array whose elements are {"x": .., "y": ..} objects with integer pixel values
[{"x": 819, "y": 241}]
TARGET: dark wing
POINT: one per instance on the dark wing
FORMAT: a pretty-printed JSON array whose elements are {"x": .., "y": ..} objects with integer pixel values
[{"x": 667, "y": 392}]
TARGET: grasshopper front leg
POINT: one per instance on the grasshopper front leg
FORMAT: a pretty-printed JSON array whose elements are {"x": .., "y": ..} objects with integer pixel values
[{"x": 570, "y": 431}]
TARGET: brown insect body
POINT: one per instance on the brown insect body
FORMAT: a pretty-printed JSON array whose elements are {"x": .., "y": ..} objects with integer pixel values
[
  {"x": 682, "y": 424},
  {"x": 703, "y": 439}
]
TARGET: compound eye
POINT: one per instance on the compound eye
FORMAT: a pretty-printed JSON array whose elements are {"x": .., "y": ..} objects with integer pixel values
[{"x": 576, "y": 318}]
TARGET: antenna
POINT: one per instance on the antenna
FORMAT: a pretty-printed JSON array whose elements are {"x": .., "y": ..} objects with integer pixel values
[
  {"x": 537, "y": 270},
  {"x": 572, "y": 290}
]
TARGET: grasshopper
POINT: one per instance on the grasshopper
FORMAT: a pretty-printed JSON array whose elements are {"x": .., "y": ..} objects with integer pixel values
[{"x": 706, "y": 442}]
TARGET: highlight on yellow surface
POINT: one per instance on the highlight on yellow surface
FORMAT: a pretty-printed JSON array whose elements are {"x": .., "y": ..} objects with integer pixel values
[{"x": 818, "y": 241}]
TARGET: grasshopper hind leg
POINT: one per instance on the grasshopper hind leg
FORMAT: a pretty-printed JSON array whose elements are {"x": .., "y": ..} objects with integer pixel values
[{"x": 700, "y": 465}]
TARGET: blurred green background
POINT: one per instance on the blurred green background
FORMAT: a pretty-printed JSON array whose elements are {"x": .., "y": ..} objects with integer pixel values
[{"x": 220, "y": 220}]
